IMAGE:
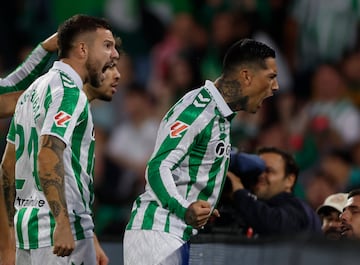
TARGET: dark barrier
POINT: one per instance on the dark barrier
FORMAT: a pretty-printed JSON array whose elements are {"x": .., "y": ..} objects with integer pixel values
[
  {"x": 218, "y": 249},
  {"x": 301, "y": 250}
]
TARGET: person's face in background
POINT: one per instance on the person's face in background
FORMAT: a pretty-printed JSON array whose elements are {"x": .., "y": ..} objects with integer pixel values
[
  {"x": 350, "y": 218},
  {"x": 108, "y": 86},
  {"x": 110, "y": 83},
  {"x": 273, "y": 181},
  {"x": 331, "y": 224}
]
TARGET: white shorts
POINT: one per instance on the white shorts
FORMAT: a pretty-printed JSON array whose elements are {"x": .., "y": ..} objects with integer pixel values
[
  {"x": 84, "y": 253},
  {"x": 147, "y": 247}
]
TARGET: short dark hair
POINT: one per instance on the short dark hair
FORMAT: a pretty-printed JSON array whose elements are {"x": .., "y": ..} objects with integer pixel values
[
  {"x": 354, "y": 193},
  {"x": 291, "y": 166},
  {"x": 73, "y": 27},
  {"x": 246, "y": 52}
]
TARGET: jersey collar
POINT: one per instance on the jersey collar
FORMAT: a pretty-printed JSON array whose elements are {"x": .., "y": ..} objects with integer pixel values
[
  {"x": 64, "y": 67},
  {"x": 223, "y": 107}
]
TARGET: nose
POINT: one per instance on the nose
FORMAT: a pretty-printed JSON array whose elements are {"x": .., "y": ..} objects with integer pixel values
[
  {"x": 275, "y": 86},
  {"x": 118, "y": 75},
  {"x": 344, "y": 216},
  {"x": 114, "y": 53}
]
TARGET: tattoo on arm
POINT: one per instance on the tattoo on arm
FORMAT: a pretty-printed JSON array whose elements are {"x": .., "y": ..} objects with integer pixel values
[
  {"x": 59, "y": 186},
  {"x": 55, "y": 208},
  {"x": 9, "y": 194},
  {"x": 53, "y": 176}
]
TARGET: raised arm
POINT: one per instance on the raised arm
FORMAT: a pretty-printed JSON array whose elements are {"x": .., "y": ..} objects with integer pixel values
[{"x": 31, "y": 68}]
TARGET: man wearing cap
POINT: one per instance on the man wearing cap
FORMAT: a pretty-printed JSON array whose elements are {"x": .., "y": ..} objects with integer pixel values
[
  {"x": 329, "y": 213},
  {"x": 271, "y": 208}
]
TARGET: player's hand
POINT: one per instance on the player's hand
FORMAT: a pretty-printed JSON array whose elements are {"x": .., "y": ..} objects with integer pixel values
[
  {"x": 198, "y": 213},
  {"x": 50, "y": 44},
  {"x": 64, "y": 242},
  {"x": 101, "y": 258},
  {"x": 8, "y": 250}
]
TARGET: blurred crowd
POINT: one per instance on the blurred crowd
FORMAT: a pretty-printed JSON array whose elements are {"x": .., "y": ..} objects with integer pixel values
[{"x": 171, "y": 47}]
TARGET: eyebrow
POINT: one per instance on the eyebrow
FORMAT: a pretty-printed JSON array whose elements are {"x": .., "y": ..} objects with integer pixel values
[{"x": 352, "y": 208}]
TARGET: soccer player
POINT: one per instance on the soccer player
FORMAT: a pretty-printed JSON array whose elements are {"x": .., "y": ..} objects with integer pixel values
[
  {"x": 51, "y": 138},
  {"x": 187, "y": 170},
  {"x": 13, "y": 85}
]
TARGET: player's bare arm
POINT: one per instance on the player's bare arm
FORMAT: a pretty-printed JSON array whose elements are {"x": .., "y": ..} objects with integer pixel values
[
  {"x": 8, "y": 103},
  {"x": 51, "y": 175},
  {"x": 8, "y": 181},
  {"x": 7, "y": 210}
]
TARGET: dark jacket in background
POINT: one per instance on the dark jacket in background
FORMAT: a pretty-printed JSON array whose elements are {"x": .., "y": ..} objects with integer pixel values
[{"x": 284, "y": 214}]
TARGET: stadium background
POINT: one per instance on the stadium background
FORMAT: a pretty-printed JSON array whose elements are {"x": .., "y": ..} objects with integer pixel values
[{"x": 171, "y": 47}]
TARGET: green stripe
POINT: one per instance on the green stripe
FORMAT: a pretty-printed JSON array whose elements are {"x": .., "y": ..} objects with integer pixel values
[
  {"x": 197, "y": 154},
  {"x": 26, "y": 82},
  {"x": 90, "y": 171},
  {"x": 20, "y": 217},
  {"x": 215, "y": 168},
  {"x": 188, "y": 116},
  {"x": 133, "y": 214},
  {"x": 79, "y": 231},
  {"x": 33, "y": 229},
  {"x": 171, "y": 111},
  {"x": 21, "y": 145},
  {"x": 11, "y": 132},
  {"x": 167, "y": 224},
  {"x": 77, "y": 138},
  {"x": 187, "y": 233},
  {"x": 90, "y": 162},
  {"x": 149, "y": 216},
  {"x": 52, "y": 227},
  {"x": 19, "y": 183},
  {"x": 48, "y": 99},
  {"x": 68, "y": 104}
]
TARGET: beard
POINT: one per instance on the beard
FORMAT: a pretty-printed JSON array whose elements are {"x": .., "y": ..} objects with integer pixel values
[{"x": 94, "y": 78}]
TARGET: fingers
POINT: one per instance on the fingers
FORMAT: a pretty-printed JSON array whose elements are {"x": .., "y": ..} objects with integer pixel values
[
  {"x": 231, "y": 175},
  {"x": 63, "y": 251},
  {"x": 216, "y": 213}
]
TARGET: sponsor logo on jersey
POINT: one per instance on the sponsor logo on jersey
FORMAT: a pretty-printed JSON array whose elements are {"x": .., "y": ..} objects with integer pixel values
[
  {"x": 61, "y": 118},
  {"x": 177, "y": 128},
  {"x": 29, "y": 202},
  {"x": 222, "y": 149}
]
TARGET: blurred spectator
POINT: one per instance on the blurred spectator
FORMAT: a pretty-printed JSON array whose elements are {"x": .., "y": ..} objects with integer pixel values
[
  {"x": 350, "y": 69},
  {"x": 319, "y": 32},
  {"x": 350, "y": 217},
  {"x": 178, "y": 37},
  {"x": 222, "y": 35},
  {"x": 317, "y": 185},
  {"x": 328, "y": 120},
  {"x": 131, "y": 143},
  {"x": 337, "y": 163},
  {"x": 270, "y": 208},
  {"x": 329, "y": 213},
  {"x": 329, "y": 107},
  {"x": 125, "y": 152}
]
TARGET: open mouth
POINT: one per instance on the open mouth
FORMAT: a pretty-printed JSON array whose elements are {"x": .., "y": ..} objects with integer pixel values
[{"x": 106, "y": 66}]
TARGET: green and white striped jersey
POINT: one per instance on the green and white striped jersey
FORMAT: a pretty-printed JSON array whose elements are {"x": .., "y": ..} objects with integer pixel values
[
  {"x": 27, "y": 72},
  {"x": 53, "y": 105},
  {"x": 189, "y": 162}
]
